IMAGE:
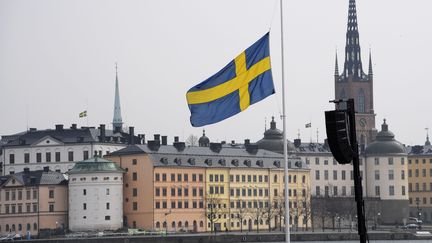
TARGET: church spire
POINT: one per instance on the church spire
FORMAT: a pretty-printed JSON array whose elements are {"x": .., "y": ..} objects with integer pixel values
[
  {"x": 370, "y": 73},
  {"x": 336, "y": 66},
  {"x": 427, "y": 143},
  {"x": 117, "y": 119},
  {"x": 353, "y": 64}
]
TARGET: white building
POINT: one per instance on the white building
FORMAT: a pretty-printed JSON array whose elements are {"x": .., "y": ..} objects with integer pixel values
[
  {"x": 95, "y": 195},
  {"x": 58, "y": 148}
]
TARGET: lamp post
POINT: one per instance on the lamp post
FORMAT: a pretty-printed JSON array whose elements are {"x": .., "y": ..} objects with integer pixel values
[{"x": 378, "y": 220}]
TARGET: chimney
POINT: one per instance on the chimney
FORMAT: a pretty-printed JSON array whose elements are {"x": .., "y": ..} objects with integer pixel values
[
  {"x": 164, "y": 140},
  {"x": 153, "y": 145},
  {"x": 102, "y": 133},
  {"x": 246, "y": 142},
  {"x": 141, "y": 138},
  {"x": 297, "y": 142},
  {"x": 74, "y": 126},
  {"x": 26, "y": 170},
  {"x": 157, "y": 137},
  {"x": 232, "y": 142},
  {"x": 59, "y": 127},
  {"x": 32, "y": 129},
  {"x": 180, "y": 146},
  {"x": 176, "y": 139},
  {"x": 131, "y": 136},
  {"x": 46, "y": 168},
  {"x": 216, "y": 147}
]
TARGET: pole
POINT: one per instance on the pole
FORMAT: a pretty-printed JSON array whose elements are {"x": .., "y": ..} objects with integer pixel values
[
  {"x": 357, "y": 177},
  {"x": 287, "y": 221}
]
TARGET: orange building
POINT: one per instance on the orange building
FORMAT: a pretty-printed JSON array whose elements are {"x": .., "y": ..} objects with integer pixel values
[{"x": 33, "y": 201}]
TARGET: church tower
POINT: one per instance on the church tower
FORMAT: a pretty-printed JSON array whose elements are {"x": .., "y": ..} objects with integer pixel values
[
  {"x": 354, "y": 83},
  {"x": 117, "y": 119}
]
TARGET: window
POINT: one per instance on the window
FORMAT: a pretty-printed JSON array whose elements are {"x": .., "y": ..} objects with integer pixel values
[
  {"x": 377, "y": 175},
  {"x": 57, "y": 156},
  {"x": 28, "y": 192},
  {"x": 326, "y": 176},
  {"x": 51, "y": 207},
  {"x": 107, "y": 206},
  {"x": 317, "y": 161},
  {"x": 222, "y": 178},
  {"x": 134, "y": 176},
  {"x": 51, "y": 193},
  {"x": 164, "y": 177},
  {"x": 172, "y": 191},
  {"x": 173, "y": 204},
  {"x": 326, "y": 191},
  {"x": 164, "y": 191},
  {"x": 402, "y": 175},
  {"x": 335, "y": 191},
  {"x": 84, "y": 206},
  {"x": 376, "y": 161},
  {"x": 318, "y": 191},
  {"x": 84, "y": 192},
  {"x": 70, "y": 156},
  {"x": 194, "y": 177},
  {"x": 179, "y": 177},
  {"x": 26, "y": 158},
  {"x": 35, "y": 194},
  {"x": 402, "y": 161},
  {"x": 200, "y": 177},
  {"x": 325, "y": 162},
  {"x": 186, "y": 192},
  {"x": 317, "y": 175},
  {"x": 335, "y": 175},
  {"x": 410, "y": 173},
  {"x": 172, "y": 177},
  {"x": 85, "y": 154},
  {"x": 390, "y": 161},
  {"x": 107, "y": 217},
  {"x": 377, "y": 191},
  {"x": 343, "y": 175},
  {"x": 424, "y": 172},
  {"x": 35, "y": 208},
  {"x": 135, "y": 206},
  {"x": 343, "y": 191},
  {"x": 391, "y": 190},
  {"x": 38, "y": 157},
  {"x": 403, "y": 190},
  {"x": 186, "y": 177},
  {"x": 391, "y": 174},
  {"x": 134, "y": 161},
  {"x": 135, "y": 192},
  {"x": 12, "y": 158},
  {"x": 19, "y": 195},
  {"x": 179, "y": 192},
  {"x": 157, "y": 177}
]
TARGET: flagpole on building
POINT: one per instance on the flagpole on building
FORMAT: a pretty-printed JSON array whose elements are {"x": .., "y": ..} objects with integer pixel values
[{"x": 285, "y": 144}]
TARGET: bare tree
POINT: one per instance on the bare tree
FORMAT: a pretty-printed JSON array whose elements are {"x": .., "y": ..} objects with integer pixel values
[
  {"x": 192, "y": 140},
  {"x": 279, "y": 209},
  {"x": 212, "y": 209},
  {"x": 241, "y": 213},
  {"x": 258, "y": 213},
  {"x": 270, "y": 213}
]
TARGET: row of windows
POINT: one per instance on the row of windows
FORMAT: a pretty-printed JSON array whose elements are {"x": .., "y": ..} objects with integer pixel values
[
  {"x": 178, "y": 204},
  {"x": 417, "y": 187},
  {"x": 417, "y": 173},
  {"x": 49, "y": 158},
  {"x": 12, "y": 195},
  {"x": 95, "y": 178},
  {"x": 249, "y": 192},
  {"x": 333, "y": 191},
  {"x": 178, "y": 191},
  {"x": 417, "y": 200},
  {"x": 417, "y": 161},
  {"x": 179, "y": 224},
  {"x": 18, "y": 208},
  {"x": 390, "y": 175},
  {"x": 335, "y": 175},
  {"x": 18, "y": 228},
  {"x": 107, "y": 206},
  {"x": 390, "y": 161},
  {"x": 180, "y": 177}
]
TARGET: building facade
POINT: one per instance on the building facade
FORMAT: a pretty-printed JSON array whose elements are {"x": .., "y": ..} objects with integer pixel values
[
  {"x": 420, "y": 181},
  {"x": 207, "y": 188},
  {"x": 59, "y": 148},
  {"x": 33, "y": 201},
  {"x": 95, "y": 195}
]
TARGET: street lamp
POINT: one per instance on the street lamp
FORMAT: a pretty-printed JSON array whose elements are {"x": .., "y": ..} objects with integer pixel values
[{"x": 378, "y": 220}]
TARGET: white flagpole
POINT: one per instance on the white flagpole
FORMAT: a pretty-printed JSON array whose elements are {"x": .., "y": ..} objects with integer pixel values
[{"x": 287, "y": 220}]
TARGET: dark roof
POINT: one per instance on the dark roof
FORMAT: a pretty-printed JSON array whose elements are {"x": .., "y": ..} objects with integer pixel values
[
  {"x": 273, "y": 140},
  {"x": 38, "y": 177},
  {"x": 313, "y": 148},
  {"x": 419, "y": 150},
  {"x": 64, "y": 135},
  {"x": 95, "y": 164},
  {"x": 385, "y": 143},
  {"x": 192, "y": 156}
]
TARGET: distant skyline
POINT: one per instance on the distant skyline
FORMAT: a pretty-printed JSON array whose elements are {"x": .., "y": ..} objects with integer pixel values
[{"x": 58, "y": 59}]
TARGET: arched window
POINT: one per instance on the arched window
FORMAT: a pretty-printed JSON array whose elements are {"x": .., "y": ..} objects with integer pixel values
[
  {"x": 201, "y": 224},
  {"x": 179, "y": 224},
  {"x": 361, "y": 101},
  {"x": 289, "y": 178},
  {"x": 35, "y": 226},
  {"x": 7, "y": 228},
  {"x": 303, "y": 179},
  {"x": 186, "y": 224},
  {"x": 157, "y": 225},
  {"x": 28, "y": 227},
  {"x": 275, "y": 178},
  {"x": 295, "y": 178},
  {"x": 173, "y": 224},
  {"x": 19, "y": 227},
  {"x": 164, "y": 224}
]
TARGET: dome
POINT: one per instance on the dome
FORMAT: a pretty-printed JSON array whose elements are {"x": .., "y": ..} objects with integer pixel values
[
  {"x": 204, "y": 141},
  {"x": 385, "y": 143},
  {"x": 273, "y": 140}
]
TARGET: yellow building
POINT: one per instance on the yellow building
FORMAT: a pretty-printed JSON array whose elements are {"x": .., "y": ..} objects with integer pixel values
[
  {"x": 420, "y": 181},
  {"x": 213, "y": 187}
]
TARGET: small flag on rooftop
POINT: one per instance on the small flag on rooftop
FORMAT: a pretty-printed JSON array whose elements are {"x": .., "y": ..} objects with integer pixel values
[
  {"x": 244, "y": 81},
  {"x": 83, "y": 114}
]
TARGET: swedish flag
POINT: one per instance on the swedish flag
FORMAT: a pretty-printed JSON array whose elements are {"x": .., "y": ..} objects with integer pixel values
[{"x": 243, "y": 82}]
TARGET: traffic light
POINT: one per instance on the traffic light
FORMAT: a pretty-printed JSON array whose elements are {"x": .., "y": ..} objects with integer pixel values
[{"x": 337, "y": 127}]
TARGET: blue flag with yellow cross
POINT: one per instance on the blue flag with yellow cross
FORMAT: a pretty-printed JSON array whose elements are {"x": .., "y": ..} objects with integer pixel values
[{"x": 244, "y": 81}]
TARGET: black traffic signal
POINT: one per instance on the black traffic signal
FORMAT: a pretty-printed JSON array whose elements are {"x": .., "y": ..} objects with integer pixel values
[{"x": 337, "y": 126}]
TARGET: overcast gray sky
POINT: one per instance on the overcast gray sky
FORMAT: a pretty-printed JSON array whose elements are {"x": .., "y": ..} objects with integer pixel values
[{"x": 57, "y": 59}]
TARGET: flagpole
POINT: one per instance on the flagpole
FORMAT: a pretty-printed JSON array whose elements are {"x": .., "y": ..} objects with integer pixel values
[{"x": 287, "y": 220}]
